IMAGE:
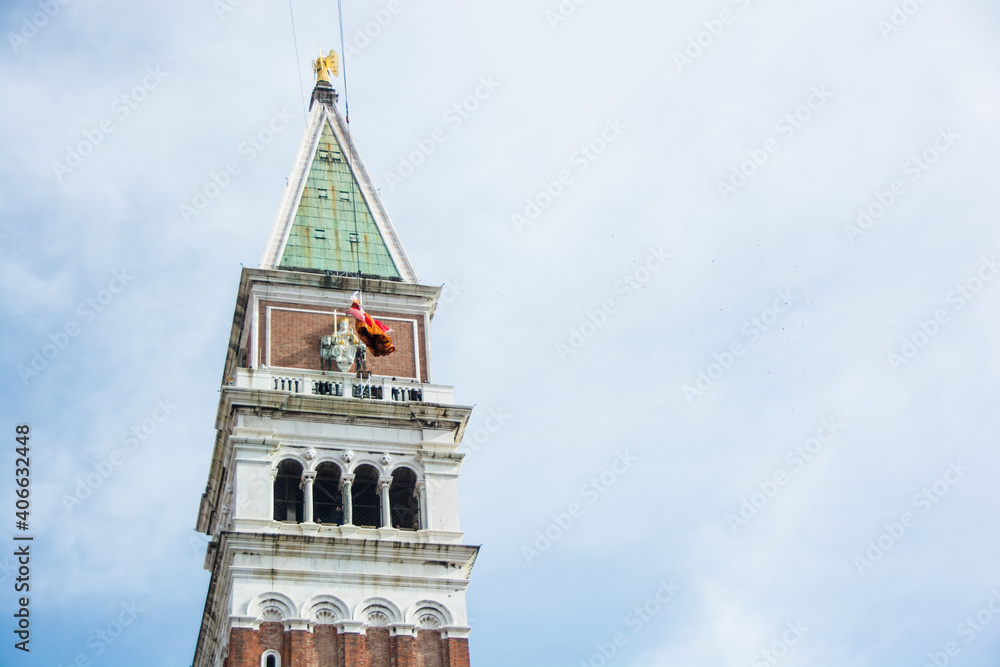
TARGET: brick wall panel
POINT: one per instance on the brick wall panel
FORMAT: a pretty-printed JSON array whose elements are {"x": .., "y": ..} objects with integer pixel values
[
  {"x": 243, "y": 647},
  {"x": 457, "y": 652},
  {"x": 377, "y": 647},
  {"x": 429, "y": 649},
  {"x": 353, "y": 650},
  {"x": 326, "y": 647},
  {"x": 294, "y": 340},
  {"x": 300, "y": 649},
  {"x": 404, "y": 649}
]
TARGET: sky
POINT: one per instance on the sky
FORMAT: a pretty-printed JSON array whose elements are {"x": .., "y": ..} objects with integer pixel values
[{"x": 726, "y": 273}]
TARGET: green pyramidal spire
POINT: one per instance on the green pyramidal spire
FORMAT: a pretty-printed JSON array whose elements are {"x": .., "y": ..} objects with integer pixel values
[
  {"x": 331, "y": 217},
  {"x": 334, "y": 229}
]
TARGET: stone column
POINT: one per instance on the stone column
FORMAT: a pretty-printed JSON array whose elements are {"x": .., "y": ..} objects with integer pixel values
[
  {"x": 384, "y": 483},
  {"x": 270, "y": 492},
  {"x": 421, "y": 492},
  {"x": 346, "y": 481},
  {"x": 308, "y": 478}
]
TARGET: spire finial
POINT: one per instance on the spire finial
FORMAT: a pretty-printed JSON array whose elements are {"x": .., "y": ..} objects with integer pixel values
[{"x": 326, "y": 66}]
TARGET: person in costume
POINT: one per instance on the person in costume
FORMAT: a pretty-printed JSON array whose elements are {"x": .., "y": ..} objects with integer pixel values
[{"x": 372, "y": 332}]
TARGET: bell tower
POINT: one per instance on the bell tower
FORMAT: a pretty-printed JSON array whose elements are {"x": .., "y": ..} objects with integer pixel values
[{"x": 332, "y": 496}]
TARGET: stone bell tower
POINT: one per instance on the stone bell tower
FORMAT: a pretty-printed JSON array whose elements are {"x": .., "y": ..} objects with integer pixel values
[{"x": 332, "y": 501}]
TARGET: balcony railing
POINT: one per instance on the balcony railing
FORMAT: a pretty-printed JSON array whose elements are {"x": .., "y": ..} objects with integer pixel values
[{"x": 342, "y": 385}]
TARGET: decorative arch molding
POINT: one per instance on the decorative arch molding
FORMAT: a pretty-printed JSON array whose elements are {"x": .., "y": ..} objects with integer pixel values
[
  {"x": 271, "y": 607},
  {"x": 333, "y": 458},
  {"x": 326, "y": 609},
  {"x": 413, "y": 466},
  {"x": 289, "y": 455},
  {"x": 429, "y": 615},
  {"x": 366, "y": 460},
  {"x": 379, "y": 612},
  {"x": 270, "y": 653}
]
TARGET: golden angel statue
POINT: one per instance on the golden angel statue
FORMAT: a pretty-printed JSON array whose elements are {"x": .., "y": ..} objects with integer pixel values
[{"x": 326, "y": 66}]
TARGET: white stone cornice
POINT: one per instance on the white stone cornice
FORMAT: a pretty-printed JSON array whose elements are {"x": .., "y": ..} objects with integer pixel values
[
  {"x": 402, "y": 630},
  {"x": 250, "y": 526},
  {"x": 297, "y": 624},
  {"x": 350, "y": 627},
  {"x": 455, "y": 632},
  {"x": 330, "y": 578},
  {"x": 416, "y": 304}
]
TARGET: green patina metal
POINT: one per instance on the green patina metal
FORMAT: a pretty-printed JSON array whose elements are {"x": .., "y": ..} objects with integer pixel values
[{"x": 323, "y": 234}]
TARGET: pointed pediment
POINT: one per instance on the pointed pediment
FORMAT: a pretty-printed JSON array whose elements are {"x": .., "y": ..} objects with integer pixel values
[{"x": 331, "y": 218}]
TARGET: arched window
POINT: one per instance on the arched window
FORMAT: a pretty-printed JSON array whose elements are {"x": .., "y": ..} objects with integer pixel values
[
  {"x": 270, "y": 659},
  {"x": 365, "y": 499},
  {"x": 403, "y": 500},
  {"x": 327, "y": 506},
  {"x": 288, "y": 499}
]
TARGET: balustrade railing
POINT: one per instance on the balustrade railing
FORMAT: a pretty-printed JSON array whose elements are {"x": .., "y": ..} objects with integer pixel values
[{"x": 342, "y": 385}]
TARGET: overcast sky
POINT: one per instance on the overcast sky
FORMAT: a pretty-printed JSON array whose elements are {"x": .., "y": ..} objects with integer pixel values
[{"x": 727, "y": 271}]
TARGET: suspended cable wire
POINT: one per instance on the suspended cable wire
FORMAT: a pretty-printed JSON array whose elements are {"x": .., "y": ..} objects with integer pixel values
[
  {"x": 347, "y": 116},
  {"x": 340, "y": 20},
  {"x": 295, "y": 42}
]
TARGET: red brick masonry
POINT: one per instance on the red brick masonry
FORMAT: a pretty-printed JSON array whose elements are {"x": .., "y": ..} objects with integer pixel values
[
  {"x": 325, "y": 647},
  {"x": 294, "y": 340}
]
